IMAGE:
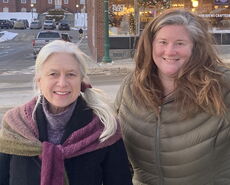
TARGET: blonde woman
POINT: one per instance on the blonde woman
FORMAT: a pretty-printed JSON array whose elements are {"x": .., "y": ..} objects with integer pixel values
[{"x": 67, "y": 134}]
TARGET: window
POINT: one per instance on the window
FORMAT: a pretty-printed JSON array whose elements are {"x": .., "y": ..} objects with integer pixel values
[
  {"x": 58, "y": 4},
  {"x": 122, "y": 18},
  {"x": 82, "y": 1},
  {"x": 49, "y": 1},
  {"x": 66, "y": 1},
  {"x": 5, "y": 1},
  {"x": 23, "y": 9},
  {"x": 33, "y": 1},
  {"x": 5, "y": 9},
  {"x": 23, "y": 1}
]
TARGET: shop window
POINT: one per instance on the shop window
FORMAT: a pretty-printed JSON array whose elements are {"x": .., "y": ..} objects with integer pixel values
[
  {"x": 122, "y": 18},
  {"x": 226, "y": 38}
]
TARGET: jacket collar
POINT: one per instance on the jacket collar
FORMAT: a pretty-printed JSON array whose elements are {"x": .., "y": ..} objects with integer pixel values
[{"x": 81, "y": 116}]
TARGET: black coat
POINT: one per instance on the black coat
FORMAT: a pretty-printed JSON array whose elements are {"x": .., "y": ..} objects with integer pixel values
[{"x": 108, "y": 165}]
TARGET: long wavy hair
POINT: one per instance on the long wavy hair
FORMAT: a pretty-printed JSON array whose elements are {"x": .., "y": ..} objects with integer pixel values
[
  {"x": 198, "y": 83},
  {"x": 94, "y": 98}
]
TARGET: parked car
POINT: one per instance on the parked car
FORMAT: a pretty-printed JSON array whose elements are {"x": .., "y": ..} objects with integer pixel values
[
  {"x": 25, "y": 22},
  {"x": 12, "y": 20},
  {"x": 6, "y": 24},
  {"x": 42, "y": 38},
  {"x": 63, "y": 25},
  {"x": 35, "y": 25},
  {"x": 49, "y": 24},
  {"x": 20, "y": 24}
]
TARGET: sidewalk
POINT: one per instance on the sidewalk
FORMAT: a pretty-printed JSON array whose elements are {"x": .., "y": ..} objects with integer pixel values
[{"x": 117, "y": 67}]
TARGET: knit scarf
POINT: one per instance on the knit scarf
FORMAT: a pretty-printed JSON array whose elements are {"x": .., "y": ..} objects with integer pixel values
[{"x": 19, "y": 136}]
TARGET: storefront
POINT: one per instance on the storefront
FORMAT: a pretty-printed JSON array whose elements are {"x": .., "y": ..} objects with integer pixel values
[{"x": 129, "y": 17}]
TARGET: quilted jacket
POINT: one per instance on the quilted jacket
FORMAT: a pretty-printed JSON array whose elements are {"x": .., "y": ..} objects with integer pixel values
[{"x": 165, "y": 150}]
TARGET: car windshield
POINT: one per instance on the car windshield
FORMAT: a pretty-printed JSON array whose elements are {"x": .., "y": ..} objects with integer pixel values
[
  {"x": 48, "y": 21},
  {"x": 49, "y": 35}
]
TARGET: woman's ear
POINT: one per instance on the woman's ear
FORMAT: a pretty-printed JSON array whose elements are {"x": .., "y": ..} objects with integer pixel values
[
  {"x": 84, "y": 86},
  {"x": 38, "y": 81}
]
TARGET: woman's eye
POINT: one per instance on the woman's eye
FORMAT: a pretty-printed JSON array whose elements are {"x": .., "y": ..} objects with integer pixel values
[
  {"x": 53, "y": 74},
  {"x": 180, "y": 43},
  {"x": 162, "y": 42},
  {"x": 71, "y": 74}
]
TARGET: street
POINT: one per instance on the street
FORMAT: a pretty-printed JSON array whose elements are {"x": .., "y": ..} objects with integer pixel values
[{"x": 17, "y": 67}]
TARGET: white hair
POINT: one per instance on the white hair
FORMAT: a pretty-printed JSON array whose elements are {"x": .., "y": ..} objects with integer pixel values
[{"x": 94, "y": 98}]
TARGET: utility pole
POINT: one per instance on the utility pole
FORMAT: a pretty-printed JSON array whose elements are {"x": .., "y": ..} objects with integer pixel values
[
  {"x": 106, "y": 57},
  {"x": 32, "y": 6}
]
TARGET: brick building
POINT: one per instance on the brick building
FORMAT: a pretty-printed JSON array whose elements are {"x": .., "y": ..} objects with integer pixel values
[{"x": 41, "y": 6}]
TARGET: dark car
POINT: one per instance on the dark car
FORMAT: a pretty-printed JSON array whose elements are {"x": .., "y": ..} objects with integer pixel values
[
  {"x": 63, "y": 25},
  {"x": 6, "y": 24}
]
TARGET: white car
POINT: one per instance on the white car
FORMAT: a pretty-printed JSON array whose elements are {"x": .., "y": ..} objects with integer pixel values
[{"x": 49, "y": 24}]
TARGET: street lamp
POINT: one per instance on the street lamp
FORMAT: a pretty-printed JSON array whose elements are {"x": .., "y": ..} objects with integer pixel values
[
  {"x": 76, "y": 21},
  {"x": 32, "y": 6},
  {"x": 195, "y": 3},
  {"x": 106, "y": 57}
]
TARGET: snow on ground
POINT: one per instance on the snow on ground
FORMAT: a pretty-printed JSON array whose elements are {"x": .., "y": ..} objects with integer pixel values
[
  {"x": 5, "y": 35},
  {"x": 79, "y": 22},
  {"x": 18, "y": 15}
]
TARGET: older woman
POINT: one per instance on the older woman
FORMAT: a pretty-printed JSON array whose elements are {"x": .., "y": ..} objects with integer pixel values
[
  {"x": 175, "y": 107},
  {"x": 67, "y": 134}
]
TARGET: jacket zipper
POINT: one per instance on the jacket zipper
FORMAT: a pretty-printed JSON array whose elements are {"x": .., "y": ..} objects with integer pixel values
[{"x": 158, "y": 162}]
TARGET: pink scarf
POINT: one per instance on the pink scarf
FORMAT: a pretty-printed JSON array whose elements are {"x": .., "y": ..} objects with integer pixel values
[
  {"x": 81, "y": 141},
  {"x": 19, "y": 136}
]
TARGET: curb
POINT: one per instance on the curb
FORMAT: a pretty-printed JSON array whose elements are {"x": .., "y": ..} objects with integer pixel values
[{"x": 113, "y": 70}]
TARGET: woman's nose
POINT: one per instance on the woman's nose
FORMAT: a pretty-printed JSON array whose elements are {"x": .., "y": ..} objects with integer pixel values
[
  {"x": 62, "y": 81},
  {"x": 170, "y": 49}
]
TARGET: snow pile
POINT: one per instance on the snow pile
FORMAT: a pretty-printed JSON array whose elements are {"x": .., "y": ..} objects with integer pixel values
[
  {"x": 5, "y": 35},
  {"x": 18, "y": 15},
  {"x": 80, "y": 20}
]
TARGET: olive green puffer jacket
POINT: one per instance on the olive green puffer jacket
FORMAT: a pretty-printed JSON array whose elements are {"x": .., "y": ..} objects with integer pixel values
[{"x": 164, "y": 150}]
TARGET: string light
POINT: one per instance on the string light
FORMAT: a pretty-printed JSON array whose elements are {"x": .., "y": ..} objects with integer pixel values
[{"x": 156, "y": 3}]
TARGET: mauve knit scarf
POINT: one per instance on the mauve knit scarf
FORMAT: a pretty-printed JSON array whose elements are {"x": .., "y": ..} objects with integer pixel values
[{"x": 19, "y": 136}]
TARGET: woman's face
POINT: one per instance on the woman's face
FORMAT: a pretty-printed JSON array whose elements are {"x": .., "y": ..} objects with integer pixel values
[
  {"x": 60, "y": 81},
  {"x": 172, "y": 48}
]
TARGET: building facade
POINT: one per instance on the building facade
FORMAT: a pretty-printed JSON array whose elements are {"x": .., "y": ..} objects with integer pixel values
[
  {"x": 42, "y": 6},
  {"x": 127, "y": 18}
]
